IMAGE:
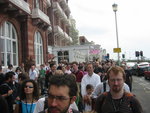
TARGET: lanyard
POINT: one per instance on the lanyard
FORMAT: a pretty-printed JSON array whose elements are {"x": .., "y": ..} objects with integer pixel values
[
  {"x": 30, "y": 107},
  {"x": 114, "y": 105}
]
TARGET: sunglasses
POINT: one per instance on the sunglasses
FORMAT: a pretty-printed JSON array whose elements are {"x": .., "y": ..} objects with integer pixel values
[{"x": 28, "y": 86}]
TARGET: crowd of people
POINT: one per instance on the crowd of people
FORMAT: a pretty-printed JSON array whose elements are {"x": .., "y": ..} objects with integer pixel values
[{"x": 101, "y": 87}]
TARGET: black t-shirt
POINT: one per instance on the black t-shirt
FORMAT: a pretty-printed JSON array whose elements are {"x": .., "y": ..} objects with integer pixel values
[
  {"x": 3, "y": 105},
  {"x": 4, "y": 88},
  {"x": 1, "y": 78}
]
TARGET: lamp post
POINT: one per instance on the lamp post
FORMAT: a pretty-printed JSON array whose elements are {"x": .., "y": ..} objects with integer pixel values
[{"x": 114, "y": 6}]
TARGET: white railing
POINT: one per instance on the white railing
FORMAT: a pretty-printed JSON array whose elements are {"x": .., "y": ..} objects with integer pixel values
[
  {"x": 66, "y": 36},
  {"x": 48, "y": 3},
  {"x": 37, "y": 13},
  {"x": 59, "y": 10},
  {"x": 58, "y": 31},
  {"x": 22, "y": 5}
]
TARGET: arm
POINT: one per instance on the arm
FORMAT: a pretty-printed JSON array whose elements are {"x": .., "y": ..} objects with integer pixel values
[
  {"x": 97, "y": 91},
  {"x": 136, "y": 106},
  {"x": 16, "y": 108}
]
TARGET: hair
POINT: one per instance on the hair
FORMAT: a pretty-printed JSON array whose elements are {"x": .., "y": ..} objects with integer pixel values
[
  {"x": 51, "y": 65},
  {"x": 18, "y": 68},
  {"x": 10, "y": 66},
  {"x": 35, "y": 91},
  {"x": 116, "y": 70},
  {"x": 59, "y": 72},
  {"x": 22, "y": 76},
  {"x": 9, "y": 75},
  {"x": 89, "y": 86},
  {"x": 65, "y": 80},
  {"x": 75, "y": 63}
]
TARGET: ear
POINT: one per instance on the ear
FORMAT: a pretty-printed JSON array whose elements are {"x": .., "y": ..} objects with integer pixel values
[{"x": 73, "y": 99}]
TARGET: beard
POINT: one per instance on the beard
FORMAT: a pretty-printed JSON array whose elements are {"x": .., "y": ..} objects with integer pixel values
[
  {"x": 57, "y": 110},
  {"x": 116, "y": 89}
]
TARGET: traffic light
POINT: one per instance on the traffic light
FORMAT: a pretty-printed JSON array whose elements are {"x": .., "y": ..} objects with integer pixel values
[
  {"x": 137, "y": 53},
  {"x": 141, "y": 53},
  {"x": 123, "y": 55}
]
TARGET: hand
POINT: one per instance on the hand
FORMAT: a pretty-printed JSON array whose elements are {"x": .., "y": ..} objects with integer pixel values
[{"x": 10, "y": 92}]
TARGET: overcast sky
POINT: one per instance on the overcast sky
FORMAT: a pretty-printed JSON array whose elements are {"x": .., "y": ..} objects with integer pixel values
[{"x": 95, "y": 20}]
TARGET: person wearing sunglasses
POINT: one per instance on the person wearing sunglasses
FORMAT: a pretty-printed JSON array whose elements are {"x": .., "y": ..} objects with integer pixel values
[
  {"x": 28, "y": 98},
  {"x": 61, "y": 94}
]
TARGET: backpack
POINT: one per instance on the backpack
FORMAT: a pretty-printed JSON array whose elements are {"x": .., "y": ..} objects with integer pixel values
[{"x": 126, "y": 105}]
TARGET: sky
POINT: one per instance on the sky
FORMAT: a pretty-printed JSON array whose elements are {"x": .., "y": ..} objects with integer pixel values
[{"x": 95, "y": 20}]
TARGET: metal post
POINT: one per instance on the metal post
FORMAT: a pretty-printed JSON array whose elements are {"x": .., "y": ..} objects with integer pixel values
[
  {"x": 115, "y": 10},
  {"x": 117, "y": 37}
]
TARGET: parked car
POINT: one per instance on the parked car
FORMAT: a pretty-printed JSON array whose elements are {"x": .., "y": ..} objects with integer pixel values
[
  {"x": 140, "y": 68},
  {"x": 130, "y": 67},
  {"x": 147, "y": 73}
]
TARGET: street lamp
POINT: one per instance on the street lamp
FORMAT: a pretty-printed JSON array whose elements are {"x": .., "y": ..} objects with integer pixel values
[{"x": 114, "y": 6}]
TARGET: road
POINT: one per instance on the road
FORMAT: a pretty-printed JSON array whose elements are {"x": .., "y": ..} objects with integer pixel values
[{"x": 141, "y": 88}]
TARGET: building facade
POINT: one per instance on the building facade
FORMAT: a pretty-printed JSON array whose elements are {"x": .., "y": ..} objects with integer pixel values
[{"x": 29, "y": 27}]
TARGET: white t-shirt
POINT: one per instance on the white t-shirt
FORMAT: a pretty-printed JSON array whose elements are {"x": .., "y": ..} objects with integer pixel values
[{"x": 94, "y": 80}]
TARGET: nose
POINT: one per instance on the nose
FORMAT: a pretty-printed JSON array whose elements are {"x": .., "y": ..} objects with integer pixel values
[
  {"x": 54, "y": 102},
  {"x": 116, "y": 82}
]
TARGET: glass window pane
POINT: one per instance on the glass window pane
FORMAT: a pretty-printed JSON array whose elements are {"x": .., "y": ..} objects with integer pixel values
[
  {"x": 2, "y": 45},
  {"x": 8, "y": 46},
  {"x": 38, "y": 50},
  {"x": 14, "y": 47},
  {"x": 14, "y": 60},
  {"x": 2, "y": 30},
  {"x": 8, "y": 59},
  {"x": 2, "y": 59},
  {"x": 7, "y": 33},
  {"x": 41, "y": 50},
  {"x": 13, "y": 34},
  {"x": 37, "y": 59}
]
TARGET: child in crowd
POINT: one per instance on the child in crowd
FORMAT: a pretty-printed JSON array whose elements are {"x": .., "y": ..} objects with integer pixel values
[{"x": 87, "y": 99}]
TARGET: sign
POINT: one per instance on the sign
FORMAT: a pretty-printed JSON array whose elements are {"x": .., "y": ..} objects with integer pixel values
[{"x": 117, "y": 50}]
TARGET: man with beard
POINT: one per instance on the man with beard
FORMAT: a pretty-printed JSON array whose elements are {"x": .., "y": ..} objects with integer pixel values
[
  {"x": 117, "y": 100},
  {"x": 61, "y": 93}
]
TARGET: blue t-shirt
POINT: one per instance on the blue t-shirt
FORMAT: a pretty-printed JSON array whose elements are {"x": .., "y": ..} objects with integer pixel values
[{"x": 28, "y": 108}]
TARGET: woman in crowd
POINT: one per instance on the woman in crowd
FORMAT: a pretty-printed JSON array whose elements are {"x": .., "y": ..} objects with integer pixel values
[{"x": 28, "y": 98}]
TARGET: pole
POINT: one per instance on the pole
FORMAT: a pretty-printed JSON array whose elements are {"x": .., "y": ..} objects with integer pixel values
[{"x": 117, "y": 38}]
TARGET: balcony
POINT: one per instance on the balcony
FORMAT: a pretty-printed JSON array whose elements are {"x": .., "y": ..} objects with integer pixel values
[
  {"x": 65, "y": 5},
  {"x": 58, "y": 10},
  {"x": 70, "y": 39},
  {"x": 49, "y": 29},
  {"x": 48, "y": 3},
  {"x": 15, "y": 5},
  {"x": 38, "y": 14},
  {"x": 58, "y": 31},
  {"x": 66, "y": 36}
]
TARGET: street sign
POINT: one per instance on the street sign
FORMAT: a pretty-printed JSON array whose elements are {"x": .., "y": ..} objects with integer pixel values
[{"x": 117, "y": 50}]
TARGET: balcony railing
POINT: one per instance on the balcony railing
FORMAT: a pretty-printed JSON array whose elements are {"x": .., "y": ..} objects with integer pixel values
[
  {"x": 48, "y": 3},
  {"x": 65, "y": 5},
  {"x": 58, "y": 31},
  {"x": 60, "y": 12},
  {"x": 66, "y": 36},
  {"x": 37, "y": 13},
  {"x": 22, "y": 5}
]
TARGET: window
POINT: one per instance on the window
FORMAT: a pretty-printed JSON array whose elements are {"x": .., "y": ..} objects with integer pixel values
[
  {"x": 37, "y": 3},
  {"x": 8, "y": 44},
  {"x": 38, "y": 48}
]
